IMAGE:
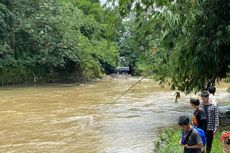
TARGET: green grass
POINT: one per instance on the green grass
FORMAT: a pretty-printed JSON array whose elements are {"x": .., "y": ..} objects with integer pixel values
[
  {"x": 217, "y": 145},
  {"x": 169, "y": 142}
]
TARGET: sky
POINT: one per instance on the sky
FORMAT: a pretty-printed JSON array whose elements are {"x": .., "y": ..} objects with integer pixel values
[{"x": 103, "y": 1}]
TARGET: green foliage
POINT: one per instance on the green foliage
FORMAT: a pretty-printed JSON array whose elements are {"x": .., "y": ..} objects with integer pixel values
[
  {"x": 227, "y": 79},
  {"x": 134, "y": 52},
  {"x": 128, "y": 47},
  {"x": 169, "y": 142},
  {"x": 53, "y": 41},
  {"x": 217, "y": 145},
  {"x": 192, "y": 36},
  {"x": 90, "y": 8}
]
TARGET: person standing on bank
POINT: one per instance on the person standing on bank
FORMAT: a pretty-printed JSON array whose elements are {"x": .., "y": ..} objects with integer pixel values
[
  {"x": 211, "y": 112},
  {"x": 212, "y": 97},
  {"x": 199, "y": 119},
  {"x": 191, "y": 140}
]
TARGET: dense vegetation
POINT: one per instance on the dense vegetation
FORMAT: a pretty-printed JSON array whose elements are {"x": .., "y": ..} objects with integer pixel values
[
  {"x": 169, "y": 142},
  {"x": 192, "y": 39},
  {"x": 185, "y": 42},
  {"x": 134, "y": 51},
  {"x": 50, "y": 41}
]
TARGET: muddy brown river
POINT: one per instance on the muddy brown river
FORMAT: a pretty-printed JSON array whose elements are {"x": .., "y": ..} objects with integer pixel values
[{"x": 81, "y": 119}]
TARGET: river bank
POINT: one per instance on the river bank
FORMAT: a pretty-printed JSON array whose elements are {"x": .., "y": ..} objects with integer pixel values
[
  {"x": 168, "y": 139},
  {"x": 168, "y": 142},
  {"x": 79, "y": 81}
]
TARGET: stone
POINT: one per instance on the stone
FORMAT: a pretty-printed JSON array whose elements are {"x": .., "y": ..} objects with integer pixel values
[{"x": 224, "y": 115}]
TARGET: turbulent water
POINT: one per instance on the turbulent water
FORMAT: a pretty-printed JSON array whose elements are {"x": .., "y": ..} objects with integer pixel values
[{"x": 83, "y": 119}]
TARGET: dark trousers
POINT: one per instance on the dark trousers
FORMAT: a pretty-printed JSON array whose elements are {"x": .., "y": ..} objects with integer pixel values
[{"x": 209, "y": 136}]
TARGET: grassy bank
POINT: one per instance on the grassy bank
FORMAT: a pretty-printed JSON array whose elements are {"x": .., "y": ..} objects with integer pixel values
[{"x": 169, "y": 142}]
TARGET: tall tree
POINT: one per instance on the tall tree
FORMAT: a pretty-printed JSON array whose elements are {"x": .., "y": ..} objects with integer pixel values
[
  {"x": 51, "y": 40},
  {"x": 192, "y": 35}
]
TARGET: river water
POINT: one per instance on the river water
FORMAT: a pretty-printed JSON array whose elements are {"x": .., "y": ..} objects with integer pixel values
[{"x": 82, "y": 119}]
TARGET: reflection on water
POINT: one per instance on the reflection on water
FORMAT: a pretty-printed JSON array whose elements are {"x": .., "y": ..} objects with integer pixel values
[{"x": 80, "y": 119}]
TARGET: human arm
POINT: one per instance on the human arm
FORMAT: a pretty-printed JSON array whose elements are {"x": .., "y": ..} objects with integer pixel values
[
  {"x": 197, "y": 146},
  {"x": 180, "y": 142},
  {"x": 195, "y": 142},
  {"x": 216, "y": 120}
]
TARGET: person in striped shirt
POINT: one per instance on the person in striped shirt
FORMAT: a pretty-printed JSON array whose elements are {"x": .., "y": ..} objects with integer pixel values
[{"x": 211, "y": 112}]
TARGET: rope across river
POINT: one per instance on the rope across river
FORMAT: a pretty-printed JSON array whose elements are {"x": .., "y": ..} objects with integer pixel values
[
  {"x": 149, "y": 73},
  {"x": 132, "y": 86}
]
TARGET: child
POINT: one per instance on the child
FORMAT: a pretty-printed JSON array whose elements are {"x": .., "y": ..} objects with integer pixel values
[
  {"x": 212, "y": 123},
  {"x": 212, "y": 98},
  {"x": 177, "y": 94},
  {"x": 200, "y": 119},
  {"x": 191, "y": 141}
]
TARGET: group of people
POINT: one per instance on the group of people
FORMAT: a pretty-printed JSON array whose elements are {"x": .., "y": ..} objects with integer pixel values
[{"x": 197, "y": 136}]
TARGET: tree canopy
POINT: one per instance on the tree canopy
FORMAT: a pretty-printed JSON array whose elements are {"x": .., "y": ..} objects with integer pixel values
[
  {"x": 185, "y": 42},
  {"x": 54, "y": 40},
  {"x": 192, "y": 39}
]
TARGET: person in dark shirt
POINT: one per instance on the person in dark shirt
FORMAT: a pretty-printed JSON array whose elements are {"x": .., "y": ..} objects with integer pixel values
[
  {"x": 192, "y": 142},
  {"x": 200, "y": 119}
]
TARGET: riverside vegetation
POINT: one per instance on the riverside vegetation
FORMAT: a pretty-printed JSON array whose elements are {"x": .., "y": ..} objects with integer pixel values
[
  {"x": 185, "y": 42},
  {"x": 55, "y": 40},
  {"x": 169, "y": 142}
]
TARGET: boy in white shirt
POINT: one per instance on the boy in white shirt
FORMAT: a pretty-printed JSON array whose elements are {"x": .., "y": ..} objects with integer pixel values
[{"x": 212, "y": 97}]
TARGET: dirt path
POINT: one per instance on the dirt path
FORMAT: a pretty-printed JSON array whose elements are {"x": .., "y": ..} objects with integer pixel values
[{"x": 227, "y": 148}]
